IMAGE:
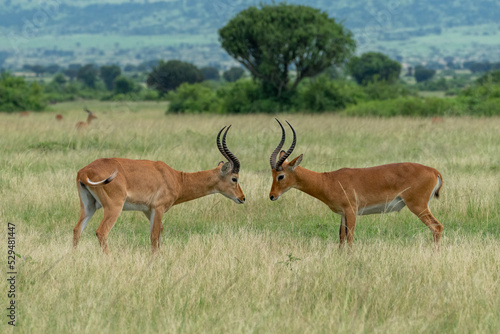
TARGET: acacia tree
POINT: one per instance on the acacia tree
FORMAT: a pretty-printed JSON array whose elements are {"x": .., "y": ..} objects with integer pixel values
[{"x": 272, "y": 39}]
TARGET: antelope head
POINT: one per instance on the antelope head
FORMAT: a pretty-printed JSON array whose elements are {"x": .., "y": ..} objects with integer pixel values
[
  {"x": 283, "y": 171},
  {"x": 228, "y": 172}
]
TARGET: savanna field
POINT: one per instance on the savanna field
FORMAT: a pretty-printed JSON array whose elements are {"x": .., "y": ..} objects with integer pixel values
[{"x": 260, "y": 267}]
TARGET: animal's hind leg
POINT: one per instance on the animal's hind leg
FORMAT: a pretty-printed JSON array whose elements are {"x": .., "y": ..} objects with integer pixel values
[
  {"x": 110, "y": 216},
  {"x": 425, "y": 215},
  {"x": 87, "y": 210}
]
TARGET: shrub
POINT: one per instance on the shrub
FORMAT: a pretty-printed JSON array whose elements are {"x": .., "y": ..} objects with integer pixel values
[
  {"x": 124, "y": 85},
  {"x": 17, "y": 95},
  {"x": 193, "y": 98},
  {"x": 322, "y": 94},
  {"x": 407, "y": 106}
]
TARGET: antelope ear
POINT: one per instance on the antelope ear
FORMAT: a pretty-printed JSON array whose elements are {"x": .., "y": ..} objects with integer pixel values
[
  {"x": 226, "y": 168},
  {"x": 220, "y": 163},
  {"x": 281, "y": 154},
  {"x": 295, "y": 162}
]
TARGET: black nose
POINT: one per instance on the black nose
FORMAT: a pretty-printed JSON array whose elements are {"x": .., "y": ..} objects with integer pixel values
[
  {"x": 271, "y": 197},
  {"x": 243, "y": 200}
]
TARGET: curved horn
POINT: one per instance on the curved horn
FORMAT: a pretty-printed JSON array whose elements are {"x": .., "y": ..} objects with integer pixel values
[
  {"x": 231, "y": 157},
  {"x": 219, "y": 146},
  {"x": 290, "y": 150},
  {"x": 278, "y": 148}
]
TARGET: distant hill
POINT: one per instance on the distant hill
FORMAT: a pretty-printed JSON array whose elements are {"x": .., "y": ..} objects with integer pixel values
[{"x": 133, "y": 31}]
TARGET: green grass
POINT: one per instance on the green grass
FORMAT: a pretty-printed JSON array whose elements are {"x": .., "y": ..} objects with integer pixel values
[{"x": 259, "y": 267}]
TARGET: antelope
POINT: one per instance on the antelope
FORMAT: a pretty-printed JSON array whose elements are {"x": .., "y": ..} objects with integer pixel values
[
  {"x": 59, "y": 117},
  {"x": 152, "y": 187},
  {"x": 90, "y": 117},
  {"x": 350, "y": 192},
  {"x": 24, "y": 114}
]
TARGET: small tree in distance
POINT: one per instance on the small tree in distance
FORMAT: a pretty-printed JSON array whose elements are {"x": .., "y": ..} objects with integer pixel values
[
  {"x": 233, "y": 74},
  {"x": 423, "y": 74},
  {"x": 169, "y": 75},
  {"x": 373, "y": 66},
  {"x": 108, "y": 74},
  {"x": 210, "y": 73}
]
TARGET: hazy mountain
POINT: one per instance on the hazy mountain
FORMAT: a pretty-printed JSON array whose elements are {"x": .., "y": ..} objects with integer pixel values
[{"x": 132, "y": 31}]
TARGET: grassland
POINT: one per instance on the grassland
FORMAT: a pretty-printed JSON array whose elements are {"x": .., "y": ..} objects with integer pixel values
[{"x": 263, "y": 267}]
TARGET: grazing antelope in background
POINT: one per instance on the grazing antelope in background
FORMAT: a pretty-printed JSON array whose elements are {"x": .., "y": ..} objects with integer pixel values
[
  {"x": 24, "y": 113},
  {"x": 90, "y": 117},
  {"x": 151, "y": 187},
  {"x": 59, "y": 117},
  {"x": 360, "y": 191}
]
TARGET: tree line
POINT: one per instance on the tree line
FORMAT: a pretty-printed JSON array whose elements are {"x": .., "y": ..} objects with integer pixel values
[{"x": 296, "y": 58}]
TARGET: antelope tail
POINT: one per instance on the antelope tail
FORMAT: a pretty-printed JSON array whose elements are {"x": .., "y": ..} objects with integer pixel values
[{"x": 105, "y": 181}]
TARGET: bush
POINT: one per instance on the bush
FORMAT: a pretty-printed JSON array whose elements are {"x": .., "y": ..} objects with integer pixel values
[
  {"x": 246, "y": 96},
  {"x": 124, "y": 85},
  {"x": 17, "y": 95},
  {"x": 322, "y": 94},
  {"x": 193, "y": 98},
  {"x": 381, "y": 90},
  {"x": 407, "y": 106}
]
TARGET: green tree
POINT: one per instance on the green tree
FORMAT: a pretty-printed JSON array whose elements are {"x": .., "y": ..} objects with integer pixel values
[
  {"x": 210, "y": 73},
  {"x": 272, "y": 39},
  {"x": 17, "y": 95},
  {"x": 108, "y": 74},
  {"x": 59, "y": 79},
  {"x": 88, "y": 75},
  {"x": 423, "y": 74},
  {"x": 233, "y": 74},
  {"x": 374, "y": 66},
  {"x": 169, "y": 75},
  {"x": 124, "y": 85}
]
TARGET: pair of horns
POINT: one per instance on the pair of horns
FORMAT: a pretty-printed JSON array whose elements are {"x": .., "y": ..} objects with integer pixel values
[
  {"x": 277, "y": 165},
  {"x": 235, "y": 163},
  {"x": 90, "y": 112}
]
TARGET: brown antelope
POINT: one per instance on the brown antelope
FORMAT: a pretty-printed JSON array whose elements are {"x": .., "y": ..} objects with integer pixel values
[
  {"x": 24, "y": 114},
  {"x": 151, "y": 187},
  {"x": 90, "y": 117},
  {"x": 360, "y": 191},
  {"x": 59, "y": 117}
]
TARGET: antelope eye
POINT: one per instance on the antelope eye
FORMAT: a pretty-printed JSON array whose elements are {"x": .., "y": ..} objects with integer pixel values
[
  {"x": 281, "y": 177},
  {"x": 235, "y": 179}
]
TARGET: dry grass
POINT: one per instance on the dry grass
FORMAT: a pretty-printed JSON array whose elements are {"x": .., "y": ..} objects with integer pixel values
[{"x": 263, "y": 266}]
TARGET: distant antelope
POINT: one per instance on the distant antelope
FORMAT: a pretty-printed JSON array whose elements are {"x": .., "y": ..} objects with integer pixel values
[
  {"x": 82, "y": 125},
  {"x": 24, "y": 114},
  {"x": 151, "y": 187},
  {"x": 437, "y": 120},
  {"x": 59, "y": 117},
  {"x": 360, "y": 191}
]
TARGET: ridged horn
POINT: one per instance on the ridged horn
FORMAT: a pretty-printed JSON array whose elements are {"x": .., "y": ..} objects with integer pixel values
[
  {"x": 290, "y": 150},
  {"x": 278, "y": 148},
  {"x": 235, "y": 162}
]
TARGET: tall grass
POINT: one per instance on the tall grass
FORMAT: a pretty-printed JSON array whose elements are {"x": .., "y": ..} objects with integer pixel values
[{"x": 259, "y": 267}]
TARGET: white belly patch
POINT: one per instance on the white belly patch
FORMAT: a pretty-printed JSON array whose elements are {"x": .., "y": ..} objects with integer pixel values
[{"x": 395, "y": 205}]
